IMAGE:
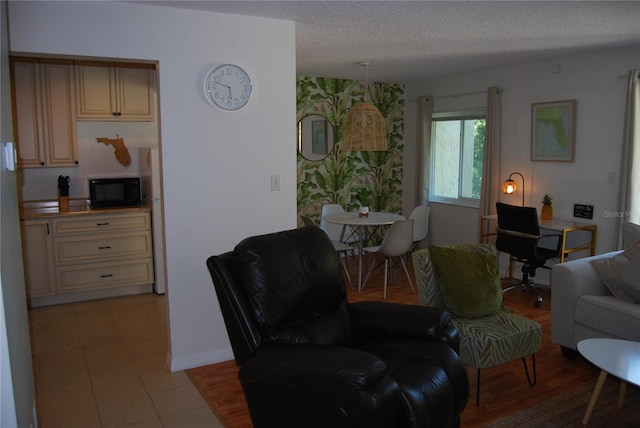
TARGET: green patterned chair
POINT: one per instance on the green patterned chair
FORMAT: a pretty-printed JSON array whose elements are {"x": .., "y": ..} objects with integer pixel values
[{"x": 489, "y": 334}]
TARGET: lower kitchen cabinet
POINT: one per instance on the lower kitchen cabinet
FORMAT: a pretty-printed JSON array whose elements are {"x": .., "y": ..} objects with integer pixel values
[
  {"x": 38, "y": 256},
  {"x": 89, "y": 256}
]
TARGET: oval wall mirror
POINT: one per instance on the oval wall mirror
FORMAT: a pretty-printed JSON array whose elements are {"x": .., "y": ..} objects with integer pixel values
[{"x": 315, "y": 137}]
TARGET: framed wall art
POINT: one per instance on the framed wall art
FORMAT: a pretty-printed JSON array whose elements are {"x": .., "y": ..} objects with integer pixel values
[{"x": 553, "y": 131}]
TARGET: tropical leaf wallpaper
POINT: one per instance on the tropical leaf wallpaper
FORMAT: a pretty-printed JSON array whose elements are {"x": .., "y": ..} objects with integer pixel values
[{"x": 351, "y": 178}]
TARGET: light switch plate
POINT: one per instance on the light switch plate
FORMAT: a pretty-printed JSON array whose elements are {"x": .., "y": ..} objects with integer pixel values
[
  {"x": 9, "y": 156},
  {"x": 275, "y": 182}
]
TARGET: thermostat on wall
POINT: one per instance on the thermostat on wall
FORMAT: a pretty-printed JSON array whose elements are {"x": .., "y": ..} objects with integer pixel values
[{"x": 583, "y": 211}]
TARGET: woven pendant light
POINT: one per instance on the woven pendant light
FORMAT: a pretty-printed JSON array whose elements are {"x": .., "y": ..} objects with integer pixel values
[{"x": 364, "y": 126}]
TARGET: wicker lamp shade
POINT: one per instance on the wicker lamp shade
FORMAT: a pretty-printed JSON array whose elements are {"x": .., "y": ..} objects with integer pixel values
[{"x": 364, "y": 129}]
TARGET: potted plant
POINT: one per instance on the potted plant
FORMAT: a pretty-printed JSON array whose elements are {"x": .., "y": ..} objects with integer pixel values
[{"x": 547, "y": 208}]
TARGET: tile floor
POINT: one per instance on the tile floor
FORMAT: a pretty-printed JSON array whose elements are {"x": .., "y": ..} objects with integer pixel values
[{"x": 103, "y": 364}]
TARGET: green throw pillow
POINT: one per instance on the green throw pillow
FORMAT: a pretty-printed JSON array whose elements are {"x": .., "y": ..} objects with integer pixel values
[{"x": 469, "y": 281}]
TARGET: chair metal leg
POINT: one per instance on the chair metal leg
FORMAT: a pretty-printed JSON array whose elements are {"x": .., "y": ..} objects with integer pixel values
[
  {"x": 366, "y": 278},
  {"x": 526, "y": 286},
  {"x": 346, "y": 269},
  {"x": 478, "y": 389},
  {"x": 526, "y": 369},
  {"x": 386, "y": 267},
  {"x": 406, "y": 272}
]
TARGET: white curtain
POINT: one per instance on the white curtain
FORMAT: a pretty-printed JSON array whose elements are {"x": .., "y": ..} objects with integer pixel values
[
  {"x": 489, "y": 192},
  {"x": 425, "y": 114},
  {"x": 629, "y": 194}
]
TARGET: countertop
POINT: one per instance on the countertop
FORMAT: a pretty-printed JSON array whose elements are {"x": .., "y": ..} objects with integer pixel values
[{"x": 50, "y": 208}]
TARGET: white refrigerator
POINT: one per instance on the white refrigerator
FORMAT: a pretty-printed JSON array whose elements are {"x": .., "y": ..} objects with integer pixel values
[{"x": 149, "y": 158}]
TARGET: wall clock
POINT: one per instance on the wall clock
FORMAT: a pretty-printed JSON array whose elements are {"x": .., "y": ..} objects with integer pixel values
[{"x": 228, "y": 87}]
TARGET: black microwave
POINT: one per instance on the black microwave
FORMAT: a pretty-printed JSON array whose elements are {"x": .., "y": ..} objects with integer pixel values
[{"x": 114, "y": 192}]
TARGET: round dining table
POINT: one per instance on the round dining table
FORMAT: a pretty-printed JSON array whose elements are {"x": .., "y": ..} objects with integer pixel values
[{"x": 359, "y": 226}]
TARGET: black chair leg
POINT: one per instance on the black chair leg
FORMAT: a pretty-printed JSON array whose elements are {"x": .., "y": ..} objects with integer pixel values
[
  {"x": 526, "y": 286},
  {"x": 478, "y": 389},
  {"x": 526, "y": 369}
]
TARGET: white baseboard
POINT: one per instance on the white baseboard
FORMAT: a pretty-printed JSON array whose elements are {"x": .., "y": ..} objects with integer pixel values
[
  {"x": 80, "y": 296},
  {"x": 198, "y": 360}
]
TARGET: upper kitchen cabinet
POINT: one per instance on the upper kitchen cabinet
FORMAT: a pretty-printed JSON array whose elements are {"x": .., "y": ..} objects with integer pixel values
[
  {"x": 44, "y": 108},
  {"x": 115, "y": 91}
]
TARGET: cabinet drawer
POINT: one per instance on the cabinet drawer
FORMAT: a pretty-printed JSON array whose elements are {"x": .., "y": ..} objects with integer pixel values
[
  {"x": 102, "y": 246},
  {"x": 100, "y": 223},
  {"x": 104, "y": 275}
]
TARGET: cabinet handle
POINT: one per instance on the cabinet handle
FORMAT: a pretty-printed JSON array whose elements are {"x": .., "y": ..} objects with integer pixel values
[
  {"x": 42, "y": 163},
  {"x": 106, "y": 276},
  {"x": 108, "y": 247},
  {"x": 102, "y": 224}
]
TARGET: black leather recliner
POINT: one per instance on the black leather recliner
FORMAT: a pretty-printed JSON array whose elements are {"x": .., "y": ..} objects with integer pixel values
[{"x": 308, "y": 358}]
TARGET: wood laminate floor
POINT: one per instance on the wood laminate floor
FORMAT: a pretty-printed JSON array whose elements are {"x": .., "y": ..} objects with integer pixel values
[{"x": 504, "y": 389}]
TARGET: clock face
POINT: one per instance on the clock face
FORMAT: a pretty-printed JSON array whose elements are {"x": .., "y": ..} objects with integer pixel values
[{"x": 228, "y": 87}]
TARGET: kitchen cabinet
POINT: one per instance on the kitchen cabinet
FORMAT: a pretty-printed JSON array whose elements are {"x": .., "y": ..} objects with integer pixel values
[
  {"x": 102, "y": 251},
  {"x": 38, "y": 256},
  {"x": 109, "y": 91},
  {"x": 82, "y": 257},
  {"x": 44, "y": 105}
]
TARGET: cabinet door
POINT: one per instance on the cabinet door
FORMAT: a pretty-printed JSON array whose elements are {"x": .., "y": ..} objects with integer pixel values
[
  {"x": 27, "y": 112},
  {"x": 59, "y": 107},
  {"x": 109, "y": 91},
  {"x": 95, "y": 90},
  {"x": 45, "y": 114},
  {"x": 37, "y": 254},
  {"x": 135, "y": 92}
]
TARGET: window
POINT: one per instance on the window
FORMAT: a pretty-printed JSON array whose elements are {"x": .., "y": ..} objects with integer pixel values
[{"x": 457, "y": 147}]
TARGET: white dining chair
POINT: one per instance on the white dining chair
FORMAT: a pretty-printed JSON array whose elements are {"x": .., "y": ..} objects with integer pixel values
[
  {"x": 343, "y": 250},
  {"x": 420, "y": 216},
  {"x": 396, "y": 242},
  {"x": 335, "y": 230}
]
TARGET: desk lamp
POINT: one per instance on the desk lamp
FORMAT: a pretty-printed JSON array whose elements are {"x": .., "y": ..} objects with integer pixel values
[{"x": 509, "y": 186}]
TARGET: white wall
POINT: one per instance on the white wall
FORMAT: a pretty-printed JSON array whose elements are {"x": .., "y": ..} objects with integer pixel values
[
  {"x": 17, "y": 388},
  {"x": 591, "y": 79},
  {"x": 216, "y": 165}
]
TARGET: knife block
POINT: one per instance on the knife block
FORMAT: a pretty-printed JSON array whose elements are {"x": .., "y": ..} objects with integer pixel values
[{"x": 63, "y": 203}]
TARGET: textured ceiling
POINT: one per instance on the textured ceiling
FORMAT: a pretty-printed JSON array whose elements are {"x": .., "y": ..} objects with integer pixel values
[{"x": 415, "y": 40}]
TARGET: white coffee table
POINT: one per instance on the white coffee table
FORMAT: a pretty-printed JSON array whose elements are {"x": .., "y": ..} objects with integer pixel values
[{"x": 620, "y": 358}]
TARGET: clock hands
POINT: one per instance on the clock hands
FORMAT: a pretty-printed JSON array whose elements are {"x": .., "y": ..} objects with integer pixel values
[
  {"x": 238, "y": 88},
  {"x": 226, "y": 86}
]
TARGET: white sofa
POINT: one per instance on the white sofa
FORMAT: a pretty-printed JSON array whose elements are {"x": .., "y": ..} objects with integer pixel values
[{"x": 582, "y": 306}]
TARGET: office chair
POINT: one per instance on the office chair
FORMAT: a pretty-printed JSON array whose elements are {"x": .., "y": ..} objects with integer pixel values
[{"x": 519, "y": 235}]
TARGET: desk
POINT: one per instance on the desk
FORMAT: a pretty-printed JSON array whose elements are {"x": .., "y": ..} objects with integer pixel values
[
  {"x": 359, "y": 225},
  {"x": 558, "y": 225},
  {"x": 620, "y": 358}
]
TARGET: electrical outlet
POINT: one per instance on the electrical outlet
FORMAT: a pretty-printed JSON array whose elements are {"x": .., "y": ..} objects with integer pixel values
[
  {"x": 611, "y": 178},
  {"x": 275, "y": 182}
]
